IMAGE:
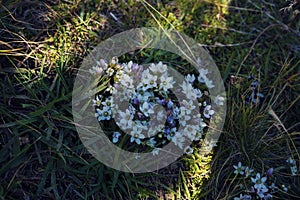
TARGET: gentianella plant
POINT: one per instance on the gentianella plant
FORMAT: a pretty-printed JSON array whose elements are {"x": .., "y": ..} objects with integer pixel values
[
  {"x": 260, "y": 185},
  {"x": 150, "y": 114}
]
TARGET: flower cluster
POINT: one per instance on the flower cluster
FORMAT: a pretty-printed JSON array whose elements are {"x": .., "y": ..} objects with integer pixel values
[
  {"x": 255, "y": 96},
  {"x": 292, "y": 164},
  {"x": 148, "y": 97},
  {"x": 262, "y": 186}
]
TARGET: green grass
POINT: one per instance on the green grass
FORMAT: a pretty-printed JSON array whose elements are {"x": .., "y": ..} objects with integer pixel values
[{"x": 41, "y": 155}]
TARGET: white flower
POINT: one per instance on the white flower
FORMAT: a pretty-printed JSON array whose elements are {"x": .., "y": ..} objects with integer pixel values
[
  {"x": 143, "y": 96},
  {"x": 290, "y": 161},
  {"x": 119, "y": 75},
  {"x": 132, "y": 109},
  {"x": 208, "y": 112},
  {"x": 178, "y": 140},
  {"x": 293, "y": 170},
  {"x": 248, "y": 171},
  {"x": 108, "y": 102},
  {"x": 183, "y": 117},
  {"x": 202, "y": 123},
  {"x": 188, "y": 90},
  {"x": 199, "y": 61},
  {"x": 136, "y": 135},
  {"x": 155, "y": 151},
  {"x": 198, "y": 135},
  {"x": 97, "y": 101},
  {"x": 148, "y": 80},
  {"x": 110, "y": 71},
  {"x": 103, "y": 64},
  {"x": 126, "y": 81},
  {"x": 175, "y": 112},
  {"x": 119, "y": 67},
  {"x": 202, "y": 75},
  {"x": 261, "y": 190},
  {"x": 110, "y": 89},
  {"x": 198, "y": 93},
  {"x": 166, "y": 83},
  {"x": 146, "y": 109},
  {"x": 123, "y": 94},
  {"x": 151, "y": 142},
  {"x": 158, "y": 68},
  {"x": 209, "y": 83},
  {"x": 142, "y": 124},
  {"x": 202, "y": 78},
  {"x": 154, "y": 68},
  {"x": 219, "y": 100},
  {"x": 96, "y": 70},
  {"x": 242, "y": 197},
  {"x": 258, "y": 180},
  {"x": 188, "y": 150},
  {"x": 127, "y": 67},
  {"x": 239, "y": 169},
  {"x": 130, "y": 64},
  {"x": 171, "y": 133},
  {"x": 99, "y": 68},
  {"x": 189, "y": 106},
  {"x": 208, "y": 145},
  {"x": 114, "y": 60},
  {"x": 153, "y": 130},
  {"x": 273, "y": 186},
  {"x": 190, "y": 131},
  {"x": 126, "y": 119},
  {"x": 116, "y": 136},
  {"x": 293, "y": 166},
  {"x": 160, "y": 115},
  {"x": 103, "y": 114},
  {"x": 284, "y": 188},
  {"x": 190, "y": 78},
  {"x": 268, "y": 196}
]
